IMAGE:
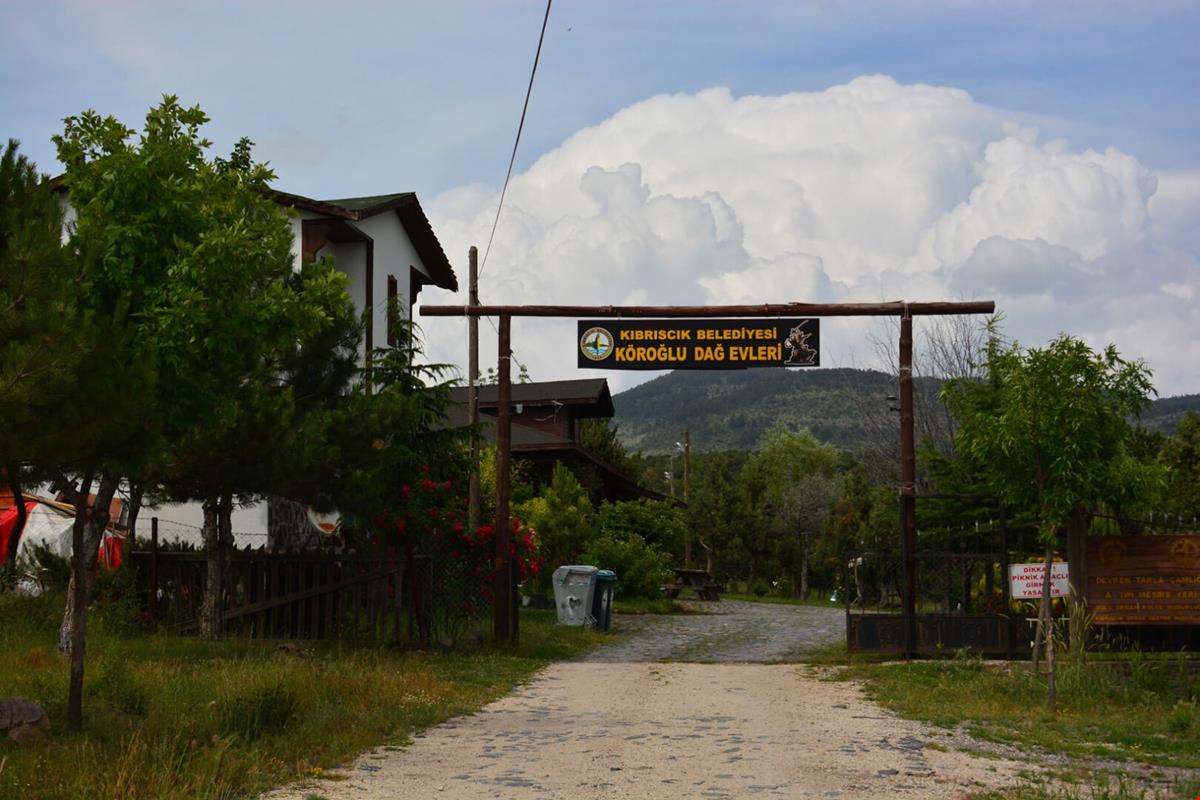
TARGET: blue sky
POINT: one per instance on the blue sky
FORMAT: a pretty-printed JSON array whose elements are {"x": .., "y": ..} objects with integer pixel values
[
  {"x": 426, "y": 95},
  {"x": 1053, "y": 165}
]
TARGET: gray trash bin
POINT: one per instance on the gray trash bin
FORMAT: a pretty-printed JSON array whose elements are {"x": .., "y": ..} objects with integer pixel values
[
  {"x": 602, "y": 599},
  {"x": 573, "y": 594}
]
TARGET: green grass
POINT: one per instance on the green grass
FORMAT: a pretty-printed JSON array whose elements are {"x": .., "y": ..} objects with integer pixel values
[
  {"x": 1149, "y": 715},
  {"x": 1092, "y": 788},
  {"x": 171, "y": 717}
]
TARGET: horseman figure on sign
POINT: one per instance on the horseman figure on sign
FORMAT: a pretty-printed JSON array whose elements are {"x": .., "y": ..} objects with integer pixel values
[{"x": 799, "y": 353}]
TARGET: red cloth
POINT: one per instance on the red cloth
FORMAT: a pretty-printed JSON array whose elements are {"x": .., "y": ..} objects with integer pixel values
[
  {"x": 112, "y": 546},
  {"x": 8, "y": 524}
]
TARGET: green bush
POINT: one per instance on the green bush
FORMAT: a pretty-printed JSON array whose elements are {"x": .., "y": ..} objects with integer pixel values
[
  {"x": 641, "y": 568},
  {"x": 114, "y": 599},
  {"x": 1183, "y": 718},
  {"x": 662, "y": 525},
  {"x": 760, "y": 588},
  {"x": 258, "y": 712}
]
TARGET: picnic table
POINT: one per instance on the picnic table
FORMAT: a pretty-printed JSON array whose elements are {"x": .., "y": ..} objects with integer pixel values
[{"x": 696, "y": 580}]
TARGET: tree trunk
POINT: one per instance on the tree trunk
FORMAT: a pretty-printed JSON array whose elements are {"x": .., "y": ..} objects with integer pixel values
[
  {"x": 225, "y": 548},
  {"x": 708, "y": 555},
  {"x": 135, "y": 508},
  {"x": 14, "y": 539},
  {"x": 91, "y": 520},
  {"x": 804, "y": 575},
  {"x": 79, "y": 500},
  {"x": 210, "y": 608}
]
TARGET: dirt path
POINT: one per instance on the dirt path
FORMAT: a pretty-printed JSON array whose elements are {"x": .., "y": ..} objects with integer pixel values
[
  {"x": 624, "y": 724},
  {"x": 606, "y": 730}
]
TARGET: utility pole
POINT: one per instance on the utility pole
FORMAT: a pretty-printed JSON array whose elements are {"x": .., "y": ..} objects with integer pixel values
[
  {"x": 687, "y": 485},
  {"x": 908, "y": 486},
  {"x": 502, "y": 610},
  {"x": 474, "y": 511}
]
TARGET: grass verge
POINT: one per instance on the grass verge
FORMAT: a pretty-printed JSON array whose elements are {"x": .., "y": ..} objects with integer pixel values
[
  {"x": 170, "y": 717},
  {"x": 1146, "y": 712}
]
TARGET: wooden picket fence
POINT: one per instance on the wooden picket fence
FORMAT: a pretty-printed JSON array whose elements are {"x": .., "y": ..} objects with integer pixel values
[{"x": 293, "y": 595}]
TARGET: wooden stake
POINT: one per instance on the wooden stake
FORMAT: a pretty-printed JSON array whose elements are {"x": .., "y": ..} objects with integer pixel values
[
  {"x": 908, "y": 486},
  {"x": 474, "y": 503},
  {"x": 502, "y": 603}
]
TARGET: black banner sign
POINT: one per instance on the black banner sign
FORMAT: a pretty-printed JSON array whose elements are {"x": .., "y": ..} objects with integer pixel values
[{"x": 698, "y": 343}]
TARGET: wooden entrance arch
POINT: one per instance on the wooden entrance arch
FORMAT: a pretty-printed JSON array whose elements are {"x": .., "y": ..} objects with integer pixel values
[{"x": 505, "y": 614}]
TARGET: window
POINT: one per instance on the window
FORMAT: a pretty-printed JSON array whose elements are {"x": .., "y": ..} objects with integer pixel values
[{"x": 392, "y": 309}]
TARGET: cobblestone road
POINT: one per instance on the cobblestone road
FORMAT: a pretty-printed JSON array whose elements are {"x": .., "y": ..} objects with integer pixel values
[
  {"x": 618, "y": 723},
  {"x": 728, "y": 631}
]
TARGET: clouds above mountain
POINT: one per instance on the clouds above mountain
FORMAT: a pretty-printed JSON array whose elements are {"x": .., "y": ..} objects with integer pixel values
[{"x": 870, "y": 190}]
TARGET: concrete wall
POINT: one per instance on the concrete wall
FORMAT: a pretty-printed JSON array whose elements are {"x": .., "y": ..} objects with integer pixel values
[{"x": 394, "y": 255}]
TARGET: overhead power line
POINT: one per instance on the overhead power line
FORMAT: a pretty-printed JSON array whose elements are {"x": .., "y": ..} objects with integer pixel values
[{"x": 516, "y": 142}]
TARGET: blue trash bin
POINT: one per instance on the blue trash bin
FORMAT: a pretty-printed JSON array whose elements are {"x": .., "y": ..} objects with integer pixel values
[{"x": 602, "y": 599}]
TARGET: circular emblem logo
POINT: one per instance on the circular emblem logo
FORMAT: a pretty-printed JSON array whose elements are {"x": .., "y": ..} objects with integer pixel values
[
  {"x": 1185, "y": 553},
  {"x": 596, "y": 344}
]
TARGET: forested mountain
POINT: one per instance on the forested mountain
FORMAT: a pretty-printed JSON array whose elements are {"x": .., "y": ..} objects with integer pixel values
[
  {"x": 730, "y": 410},
  {"x": 1166, "y": 412}
]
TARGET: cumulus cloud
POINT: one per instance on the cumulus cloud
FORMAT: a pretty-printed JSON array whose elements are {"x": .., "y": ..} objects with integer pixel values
[{"x": 871, "y": 190}]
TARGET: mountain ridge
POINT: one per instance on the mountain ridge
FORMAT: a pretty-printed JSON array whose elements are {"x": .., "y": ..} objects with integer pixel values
[{"x": 845, "y": 407}]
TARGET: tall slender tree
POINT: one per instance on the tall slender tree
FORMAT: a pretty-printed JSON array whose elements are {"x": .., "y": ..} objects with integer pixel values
[
  {"x": 797, "y": 476},
  {"x": 182, "y": 261},
  {"x": 41, "y": 342},
  {"x": 1047, "y": 429}
]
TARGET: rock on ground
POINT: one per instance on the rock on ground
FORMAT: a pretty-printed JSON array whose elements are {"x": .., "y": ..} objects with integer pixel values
[{"x": 22, "y": 720}]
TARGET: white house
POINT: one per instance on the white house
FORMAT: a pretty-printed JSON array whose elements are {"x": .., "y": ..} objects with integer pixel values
[
  {"x": 383, "y": 243},
  {"x": 387, "y": 248}
]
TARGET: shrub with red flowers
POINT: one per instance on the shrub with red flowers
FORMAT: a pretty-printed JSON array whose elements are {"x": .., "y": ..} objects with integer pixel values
[{"x": 431, "y": 519}]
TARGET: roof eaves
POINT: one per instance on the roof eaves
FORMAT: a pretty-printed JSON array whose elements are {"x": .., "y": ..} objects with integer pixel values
[
  {"x": 309, "y": 204},
  {"x": 425, "y": 241}
]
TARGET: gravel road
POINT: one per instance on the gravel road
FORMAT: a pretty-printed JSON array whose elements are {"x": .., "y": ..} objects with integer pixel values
[{"x": 641, "y": 718}]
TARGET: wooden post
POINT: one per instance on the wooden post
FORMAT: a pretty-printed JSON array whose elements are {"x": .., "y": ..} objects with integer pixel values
[
  {"x": 502, "y": 602},
  {"x": 908, "y": 486},
  {"x": 474, "y": 503},
  {"x": 154, "y": 570}
]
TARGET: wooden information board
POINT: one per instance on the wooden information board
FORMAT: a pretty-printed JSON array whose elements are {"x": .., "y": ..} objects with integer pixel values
[{"x": 1144, "y": 580}]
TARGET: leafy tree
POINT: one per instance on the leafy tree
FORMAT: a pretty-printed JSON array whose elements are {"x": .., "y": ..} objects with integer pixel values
[
  {"x": 1047, "y": 430},
  {"x": 314, "y": 328},
  {"x": 563, "y": 516},
  {"x": 1181, "y": 456},
  {"x": 641, "y": 567},
  {"x": 599, "y": 437},
  {"x": 719, "y": 511},
  {"x": 387, "y": 432},
  {"x": 661, "y": 524},
  {"x": 181, "y": 260},
  {"x": 239, "y": 261},
  {"x": 42, "y": 340},
  {"x": 797, "y": 485}
]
